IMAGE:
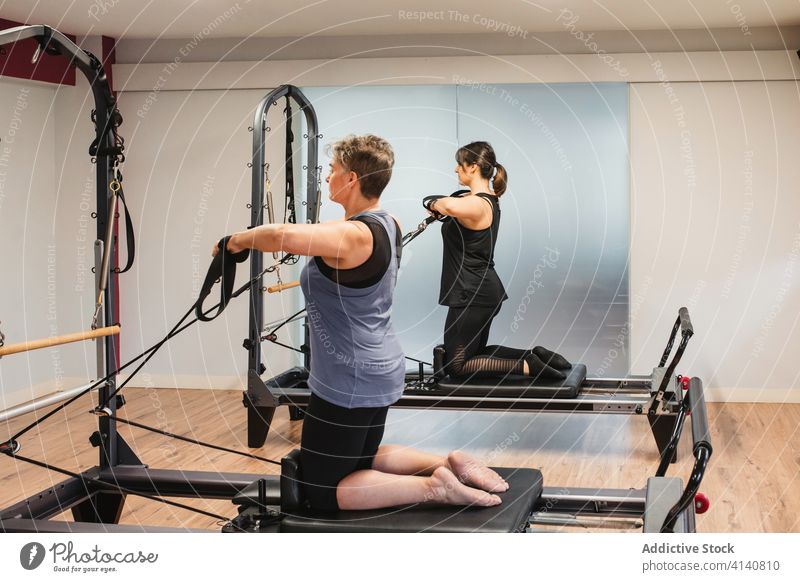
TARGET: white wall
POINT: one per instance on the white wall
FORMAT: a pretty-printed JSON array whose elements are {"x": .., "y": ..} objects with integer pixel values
[
  {"x": 25, "y": 232},
  {"x": 187, "y": 185},
  {"x": 716, "y": 226},
  {"x": 46, "y": 196}
]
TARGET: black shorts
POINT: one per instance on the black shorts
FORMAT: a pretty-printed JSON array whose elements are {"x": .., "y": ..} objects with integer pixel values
[{"x": 336, "y": 442}]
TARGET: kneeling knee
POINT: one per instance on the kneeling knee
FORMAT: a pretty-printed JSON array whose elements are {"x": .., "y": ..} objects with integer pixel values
[
  {"x": 455, "y": 368},
  {"x": 321, "y": 497}
]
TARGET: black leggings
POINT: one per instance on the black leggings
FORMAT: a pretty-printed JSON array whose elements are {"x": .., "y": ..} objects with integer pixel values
[
  {"x": 466, "y": 333},
  {"x": 336, "y": 441}
]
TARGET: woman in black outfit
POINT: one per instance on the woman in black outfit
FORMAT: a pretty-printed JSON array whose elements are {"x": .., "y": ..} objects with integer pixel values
[{"x": 470, "y": 287}]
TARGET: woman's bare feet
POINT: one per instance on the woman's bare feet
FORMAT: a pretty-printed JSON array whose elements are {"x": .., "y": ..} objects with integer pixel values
[
  {"x": 446, "y": 488},
  {"x": 473, "y": 473}
]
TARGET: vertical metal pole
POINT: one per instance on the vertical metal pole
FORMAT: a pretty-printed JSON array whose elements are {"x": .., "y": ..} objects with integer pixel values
[
  {"x": 107, "y": 427},
  {"x": 256, "y": 293},
  {"x": 313, "y": 181}
]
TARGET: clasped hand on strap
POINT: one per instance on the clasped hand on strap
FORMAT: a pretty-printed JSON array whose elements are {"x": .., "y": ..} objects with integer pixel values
[
  {"x": 222, "y": 269},
  {"x": 427, "y": 203}
]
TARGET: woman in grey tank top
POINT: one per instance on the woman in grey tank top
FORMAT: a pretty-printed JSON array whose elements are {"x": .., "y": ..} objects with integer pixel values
[{"x": 357, "y": 364}]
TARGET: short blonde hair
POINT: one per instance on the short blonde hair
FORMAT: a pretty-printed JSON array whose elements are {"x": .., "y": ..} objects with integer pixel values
[{"x": 370, "y": 157}]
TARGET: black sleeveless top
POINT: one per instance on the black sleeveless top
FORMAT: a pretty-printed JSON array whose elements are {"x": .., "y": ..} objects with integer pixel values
[{"x": 468, "y": 275}]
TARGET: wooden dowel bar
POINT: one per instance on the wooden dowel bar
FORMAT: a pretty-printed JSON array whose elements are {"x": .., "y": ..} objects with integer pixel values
[
  {"x": 283, "y": 287},
  {"x": 59, "y": 340}
]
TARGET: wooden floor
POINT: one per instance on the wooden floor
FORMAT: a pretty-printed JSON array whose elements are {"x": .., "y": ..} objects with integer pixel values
[{"x": 752, "y": 480}]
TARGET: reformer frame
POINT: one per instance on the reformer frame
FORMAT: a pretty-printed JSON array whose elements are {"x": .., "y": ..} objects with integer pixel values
[
  {"x": 662, "y": 505},
  {"x": 656, "y": 396}
]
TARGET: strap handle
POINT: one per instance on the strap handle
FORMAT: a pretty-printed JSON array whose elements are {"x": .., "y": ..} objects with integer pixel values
[
  {"x": 222, "y": 269},
  {"x": 130, "y": 236}
]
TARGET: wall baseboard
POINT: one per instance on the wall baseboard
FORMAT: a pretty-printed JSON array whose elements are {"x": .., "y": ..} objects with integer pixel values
[
  {"x": 187, "y": 381},
  {"x": 753, "y": 395}
]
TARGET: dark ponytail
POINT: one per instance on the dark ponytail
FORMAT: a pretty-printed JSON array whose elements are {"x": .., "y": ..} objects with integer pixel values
[
  {"x": 500, "y": 181},
  {"x": 482, "y": 155}
]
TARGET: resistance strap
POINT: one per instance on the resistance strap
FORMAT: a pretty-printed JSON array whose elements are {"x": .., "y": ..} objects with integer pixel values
[
  {"x": 222, "y": 269},
  {"x": 130, "y": 237},
  {"x": 192, "y": 441}
]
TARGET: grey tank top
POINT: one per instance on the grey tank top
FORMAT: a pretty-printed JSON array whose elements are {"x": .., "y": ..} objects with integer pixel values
[{"x": 356, "y": 358}]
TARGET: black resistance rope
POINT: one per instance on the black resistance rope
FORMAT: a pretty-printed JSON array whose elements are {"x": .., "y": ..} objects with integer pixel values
[{"x": 117, "y": 487}]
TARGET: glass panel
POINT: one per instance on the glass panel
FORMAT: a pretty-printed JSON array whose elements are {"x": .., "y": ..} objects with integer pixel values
[{"x": 563, "y": 247}]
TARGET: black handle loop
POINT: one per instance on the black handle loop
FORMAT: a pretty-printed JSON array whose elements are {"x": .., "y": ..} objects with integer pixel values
[
  {"x": 130, "y": 237},
  {"x": 222, "y": 269},
  {"x": 428, "y": 201}
]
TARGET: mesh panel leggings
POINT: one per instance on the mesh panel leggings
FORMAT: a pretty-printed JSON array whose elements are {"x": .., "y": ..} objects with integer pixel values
[{"x": 466, "y": 333}]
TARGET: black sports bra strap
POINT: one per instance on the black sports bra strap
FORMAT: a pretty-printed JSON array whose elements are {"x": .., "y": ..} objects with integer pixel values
[
  {"x": 491, "y": 199},
  {"x": 398, "y": 243}
]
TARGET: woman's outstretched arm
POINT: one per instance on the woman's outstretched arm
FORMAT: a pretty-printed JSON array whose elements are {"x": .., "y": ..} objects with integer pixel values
[
  {"x": 343, "y": 243},
  {"x": 472, "y": 211}
]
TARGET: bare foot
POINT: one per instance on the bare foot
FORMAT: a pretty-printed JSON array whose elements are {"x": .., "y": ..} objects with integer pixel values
[
  {"x": 446, "y": 488},
  {"x": 471, "y": 472}
]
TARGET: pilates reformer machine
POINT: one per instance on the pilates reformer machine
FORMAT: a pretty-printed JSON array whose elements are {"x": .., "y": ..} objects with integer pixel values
[
  {"x": 275, "y": 504},
  {"x": 656, "y": 396},
  {"x": 96, "y": 497}
]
